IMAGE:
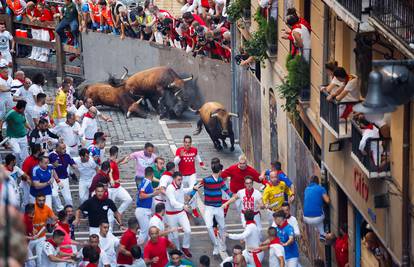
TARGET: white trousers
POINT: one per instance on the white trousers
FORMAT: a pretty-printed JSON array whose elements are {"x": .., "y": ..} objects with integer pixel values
[
  {"x": 316, "y": 222},
  {"x": 188, "y": 182},
  {"x": 72, "y": 151},
  {"x": 122, "y": 195},
  {"x": 25, "y": 192},
  {"x": 249, "y": 257},
  {"x": 36, "y": 35},
  {"x": 65, "y": 191},
  {"x": 84, "y": 186},
  {"x": 177, "y": 220},
  {"x": 37, "y": 246},
  {"x": 19, "y": 147},
  {"x": 217, "y": 212},
  {"x": 44, "y": 52},
  {"x": 143, "y": 216},
  {"x": 292, "y": 262}
]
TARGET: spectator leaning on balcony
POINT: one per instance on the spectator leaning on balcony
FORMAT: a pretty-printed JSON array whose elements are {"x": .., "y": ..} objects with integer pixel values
[
  {"x": 334, "y": 83},
  {"x": 16, "y": 8},
  {"x": 347, "y": 92},
  {"x": 299, "y": 36},
  {"x": 69, "y": 18}
]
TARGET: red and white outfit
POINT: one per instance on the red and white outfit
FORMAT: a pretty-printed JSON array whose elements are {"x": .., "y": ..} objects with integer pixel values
[
  {"x": 70, "y": 136},
  {"x": 165, "y": 180},
  {"x": 186, "y": 165},
  {"x": 88, "y": 129},
  {"x": 176, "y": 215},
  {"x": 109, "y": 244},
  {"x": 250, "y": 201},
  {"x": 157, "y": 221},
  {"x": 251, "y": 237},
  {"x": 87, "y": 170},
  {"x": 276, "y": 251},
  {"x": 49, "y": 248}
]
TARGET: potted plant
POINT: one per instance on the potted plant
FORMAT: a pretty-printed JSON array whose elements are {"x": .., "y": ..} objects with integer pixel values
[{"x": 238, "y": 9}]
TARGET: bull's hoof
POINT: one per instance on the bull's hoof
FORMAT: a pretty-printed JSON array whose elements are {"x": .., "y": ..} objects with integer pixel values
[
  {"x": 232, "y": 148},
  {"x": 219, "y": 148},
  {"x": 224, "y": 144}
]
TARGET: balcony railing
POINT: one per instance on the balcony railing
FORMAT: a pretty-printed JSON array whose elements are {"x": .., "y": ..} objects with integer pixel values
[
  {"x": 374, "y": 158},
  {"x": 331, "y": 112},
  {"x": 353, "y": 6},
  {"x": 397, "y": 16}
]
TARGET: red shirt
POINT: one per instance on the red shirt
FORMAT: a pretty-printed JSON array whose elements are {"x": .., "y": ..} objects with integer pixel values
[
  {"x": 187, "y": 161},
  {"x": 91, "y": 265},
  {"x": 28, "y": 222},
  {"x": 158, "y": 249},
  {"x": 341, "y": 250},
  {"x": 199, "y": 19},
  {"x": 128, "y": 240},
  {"x": 237, "y": 176},
  {"x": 115, "y": 173},
  {"x": 29, "y": 164}
]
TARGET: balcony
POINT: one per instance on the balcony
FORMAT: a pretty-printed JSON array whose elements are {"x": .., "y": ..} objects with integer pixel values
[
  {"x": 330, "y": 112},
  {"x": 397, "y": 19},
  {"x": 353, "y": 12},
  {"x": 374, "y": 159}
]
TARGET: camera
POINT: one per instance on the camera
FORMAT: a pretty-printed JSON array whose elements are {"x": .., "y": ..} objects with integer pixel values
[
  {"x": 201, "y": 39},
  {"x": 225, "y": 42},
  {"x": 239, "y": 58},
  {"x": 179, "y": 38}
]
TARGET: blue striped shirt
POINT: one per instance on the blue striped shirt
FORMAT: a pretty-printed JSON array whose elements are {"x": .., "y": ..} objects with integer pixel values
[{"x": 212, "y": 191}]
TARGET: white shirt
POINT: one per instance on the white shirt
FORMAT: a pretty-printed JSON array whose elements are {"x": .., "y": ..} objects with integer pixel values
[
  {"x": 87, "y": 170},
  {"x": 68, "y": 133},
  {"x": 109, "y": 244},
  {"x": 253, "y": 203},
  {"x": 375, "y": 147},
  {"x": 5, "y": 38},
  {"x": 13, "y": 196},
  {"x": 165, "y": 181},
  {"x": 48, "y": 249},
  {"x": 275, "y": 252},
  {"x": 27, "y": 96},
  {"x": 352, "y": 87},
  {"x": 175, "y": 197},
  {"x": 251, "y": 236},
  {"x": 15, "y": 86},
  {"x": 157, "y": 222},
  {"x": 6, "y": 96},
  {"x": 89, "y": 128},
  {"x": 82, "y": 111},
  {"x": 36, "y": 89},
  {"x": 41, "y": 112},
  {"x": 139, "y": 263}
]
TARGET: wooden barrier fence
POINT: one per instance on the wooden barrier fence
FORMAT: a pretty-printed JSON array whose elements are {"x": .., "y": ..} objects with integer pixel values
[{"x": 59, "y": 65}]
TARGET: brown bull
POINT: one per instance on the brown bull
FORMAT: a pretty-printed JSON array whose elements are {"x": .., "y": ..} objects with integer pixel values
[
  {"x": 216, "y": 120},
  {"x": 105, "y": 94},
  {"x": 151, "y": 83}
]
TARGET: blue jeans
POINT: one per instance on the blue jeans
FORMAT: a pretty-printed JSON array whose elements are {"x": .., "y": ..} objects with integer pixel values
[{"x": 74, "y": 29}]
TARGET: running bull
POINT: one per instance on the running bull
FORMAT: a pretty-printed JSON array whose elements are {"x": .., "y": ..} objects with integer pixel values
[
  {"x": 217, "y": 121},
  {"x": 162, "y": 87}
]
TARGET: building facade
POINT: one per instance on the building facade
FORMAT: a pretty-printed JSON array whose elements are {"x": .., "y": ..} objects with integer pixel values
[{"x": 366, "y": 189}]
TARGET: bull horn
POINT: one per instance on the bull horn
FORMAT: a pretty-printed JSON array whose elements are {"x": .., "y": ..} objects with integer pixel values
[
  {"x": 192, "y": 110},
  {"x": 233, "y": 115},
  {"x": 139, "y": 100},
  {"x": 128, "y": 114},
  {"x": 213, "y": 115},
  {"x": 188, "y": 79},
  {"x": 125, "y": 74},
  {"x": 176, "y": 93},
  {"x": 171, "y": 85}
]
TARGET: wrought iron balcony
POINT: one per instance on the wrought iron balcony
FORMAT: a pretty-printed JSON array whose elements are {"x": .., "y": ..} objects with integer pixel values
[
  {"x": 374, "y": 157},
  {"x": 331, "y": 116},
  {"x": 353, "y": 6},
  {"x": 397, "y": 16}
]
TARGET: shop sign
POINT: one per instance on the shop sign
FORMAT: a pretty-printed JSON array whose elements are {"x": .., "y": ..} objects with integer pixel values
[{"x": 360, "y": 184}]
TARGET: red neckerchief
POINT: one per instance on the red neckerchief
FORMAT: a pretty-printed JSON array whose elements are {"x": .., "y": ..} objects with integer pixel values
[
  {"x": 65, "y": 226},
  {"x": 305, "y": 23},
  {"x": 8, "y": 168},
  {"x": 22, "y": 81},
  {"x": 275, "y": 240},
  {"x": 248, "y": 194},
  {"x": 175, "y": 186},
  {"x": 157, "y": 215},
  {"x": 250, "y": 221},
  {"x": 18, "y": 111},
  {"x": 88, "y": 115},
  {"x": 94, "y": 142},
  {"x": 283, "y": 224},
  {"x": 167, "y": 173},
  {"x": 50, "y": 240},
  {"x": 4, "y": 78}
]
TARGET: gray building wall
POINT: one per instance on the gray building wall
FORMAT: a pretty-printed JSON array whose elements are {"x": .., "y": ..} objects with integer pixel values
[{"x": 105, "y": 53}]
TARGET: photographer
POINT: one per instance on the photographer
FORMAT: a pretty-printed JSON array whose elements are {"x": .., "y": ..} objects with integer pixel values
[{"x": 128, "y": 21}]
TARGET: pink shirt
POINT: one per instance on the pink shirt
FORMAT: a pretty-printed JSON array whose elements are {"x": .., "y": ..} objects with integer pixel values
[
  {"x": 66, "y": 241},
  {"x": 142, "y": 161}
]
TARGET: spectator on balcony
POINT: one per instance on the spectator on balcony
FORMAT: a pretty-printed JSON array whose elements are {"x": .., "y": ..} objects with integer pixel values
[
  {"x": 374, "y": 149},
  {"x": 347, "y": 92},
  {"x": 93, "y": 14},
  {"x": 315, "y": 197},
  {"x": 16, "y": 8},
  {"x": 33, "y": 15},
  {"x": 299, "y": 36},
  {"x": 45, "y": 33},
  {"x": 69, "y": 18},
  {"x": 334, "y": 83},
  {"x": 128, "y": 22}
]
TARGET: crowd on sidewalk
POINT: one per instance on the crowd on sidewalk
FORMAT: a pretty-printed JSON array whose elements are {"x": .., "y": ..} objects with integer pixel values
[{"x": 203, "y": 28}]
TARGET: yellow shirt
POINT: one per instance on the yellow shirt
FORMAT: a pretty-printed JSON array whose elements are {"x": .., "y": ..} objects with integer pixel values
[
  {"x": 274, "y": 195},
  {"x": 61, "y": 101}
]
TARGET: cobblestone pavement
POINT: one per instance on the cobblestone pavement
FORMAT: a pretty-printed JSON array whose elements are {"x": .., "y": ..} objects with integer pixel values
[{"x": 131, "y": 134}]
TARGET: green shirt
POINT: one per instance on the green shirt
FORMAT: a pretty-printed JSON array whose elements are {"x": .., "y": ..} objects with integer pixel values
[
  {"x": 15, "y": 124},
  {"x": 70, "y": 12},
  {"x": 184, "y": 263},
  {"x": 157, "y": 174}
]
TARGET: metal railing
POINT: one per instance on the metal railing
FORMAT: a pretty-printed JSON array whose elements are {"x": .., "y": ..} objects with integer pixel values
[
  {"x": 353, "y": 6},
  {"x": 397, "y": 16},
  {"x": 331, "y": 112},
  {"x": 375, "y": 156}
]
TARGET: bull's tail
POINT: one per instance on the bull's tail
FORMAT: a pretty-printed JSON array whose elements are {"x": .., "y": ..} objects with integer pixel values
[{"x": 199, "y": 127}]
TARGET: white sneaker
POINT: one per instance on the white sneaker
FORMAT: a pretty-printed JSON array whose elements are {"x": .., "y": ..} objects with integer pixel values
[
  {"x": 216, "y": 251},
  {"x": 222, "y": 245}
]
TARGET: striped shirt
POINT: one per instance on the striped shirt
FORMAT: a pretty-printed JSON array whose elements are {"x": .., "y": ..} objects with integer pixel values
[{"x": 212, "y": 191}]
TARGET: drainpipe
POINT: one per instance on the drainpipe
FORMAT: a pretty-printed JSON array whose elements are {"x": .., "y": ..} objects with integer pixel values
[
  {"x": 406, "y": 205},
  {"x": 234, "y": 92}
]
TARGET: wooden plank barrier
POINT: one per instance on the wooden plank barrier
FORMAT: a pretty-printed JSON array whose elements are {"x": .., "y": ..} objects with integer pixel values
[{"x": 60, "y": 66}]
